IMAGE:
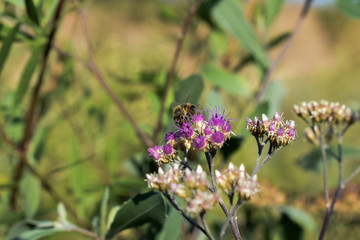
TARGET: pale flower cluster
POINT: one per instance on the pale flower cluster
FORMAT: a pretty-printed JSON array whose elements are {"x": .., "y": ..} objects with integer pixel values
[
  {"x": 236, "y": 181},
  {"x": 188, "y": 185}
]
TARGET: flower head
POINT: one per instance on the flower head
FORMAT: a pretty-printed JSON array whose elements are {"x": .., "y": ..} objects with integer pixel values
[
  {"x": 279, "y": 133},
  {"x": 155, "y": 152},
  {"x": 201, "y": 143},
  {"x": 236, "y": 180}
]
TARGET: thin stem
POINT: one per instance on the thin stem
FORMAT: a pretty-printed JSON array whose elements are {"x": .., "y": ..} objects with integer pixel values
[
  {"x": 29, "y": 127},
  {"x": 352, "y": 175},
  {"x": 323, "y": 154},
  {"x": 260, "y": 148},
  {"x": 93, "y": 68},
  {"x": 86, "y": 233},
  {"x": 266, "y": 79},
  {"x": 330, "y": 210},
  {"x": 232, "y": 214},
  {"x": 210, "y": 161},
  {"x": 266, "y": 159},
  {"x": 325, "y": 223},
  {"x": 176, "y": 206},
  {"x": 171, "y": 72},
  {"x": 206, "y": 228}
]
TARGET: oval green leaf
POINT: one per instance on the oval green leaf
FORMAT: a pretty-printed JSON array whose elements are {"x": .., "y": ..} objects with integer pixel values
[
  {"x": 272, "y": 9},
  {"x": 349, "y": 7},
  {"x": 26, "y": 75},
  {"x": 230, "y": 82},
  {"x": 229, "y": 17},
  {"x": 6, "y": 45},
  {"x": 190, "y": 89},
  {"x": 141, "y": 209},
  {"x": 31, "y": 11}
]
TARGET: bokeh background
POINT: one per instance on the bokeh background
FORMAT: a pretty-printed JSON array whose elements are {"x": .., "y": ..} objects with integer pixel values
[{"x": 86, "y": 144}]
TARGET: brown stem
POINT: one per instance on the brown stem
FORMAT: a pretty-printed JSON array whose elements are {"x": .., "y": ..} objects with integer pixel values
[
  {"x": 91, "y": 65},
  {"x": 323, "y": 154},
  {"x": 176, "y": 206},
  {"x": 266, "y": 79},
  {"x": 171, "y": 72},
  {"x": 330, "y": 210},
  {"x": 29, "y": 128},
  {"x": 213, "y": 189}
]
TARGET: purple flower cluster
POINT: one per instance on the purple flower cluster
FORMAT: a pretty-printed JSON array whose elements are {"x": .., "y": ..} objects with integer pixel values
[
  {"x": 196, "y": 132},
  {"x": 279, "y": 133}
]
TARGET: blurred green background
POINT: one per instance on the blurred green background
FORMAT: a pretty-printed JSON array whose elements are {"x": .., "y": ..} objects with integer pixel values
[{"x": 82, "y": 143}]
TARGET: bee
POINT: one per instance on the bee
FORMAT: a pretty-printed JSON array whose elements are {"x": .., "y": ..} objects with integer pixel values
[{"x": 183, "y": 112}]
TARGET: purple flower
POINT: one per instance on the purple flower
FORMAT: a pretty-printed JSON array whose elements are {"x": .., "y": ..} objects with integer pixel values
[
  {"x": 170, "y": 136},
  {"x": 264, "y": 118},
  {"x": 207, "y": 130},
  {"x": 256, "y": 121},
  {"x": 290, "y": 124},
  {"x": 155, "y": 152},
  {"x": 280, "y": 132},
  {"x": 218, "y": 137},
  {"x": 248, "y": 121},
  {"x": 227, "y": 127},
  {"x": 167, "y": 148},
  {"x": 272, "y": 127},
  {"x": 217, "y": 120},
  {"x": 277, "y": 117},
  {"x": 199, "y": 117},
  {"x": 186, "y": 130},
  {"x": 291, "y": 133},
  {"x": 199, "y": 142}
]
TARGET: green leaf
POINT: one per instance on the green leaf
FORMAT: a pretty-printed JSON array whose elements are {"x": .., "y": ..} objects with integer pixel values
[
  {"x": 171, "y": 227},
  {"x": 32, "y": 230},
  {"x": 231, "y": 146},
  {"x": 218, "y": 43},
  {"x": 77, "y": 177},
  {"x": 349, "y": 7},
  {"x": 272, "y": 9},
  {"x": 350, "y": 152},
  {"x": 50, "y": 11},
  {"x": 19, "y": 3},
  {"x": 155, "y": 102},
  {"x": 27, "y": 74},
  {"x": 271, "y": 44},
  {"x": 6, "y": 45},
  {"x": 274, "y": 95},
  {"x": 103, "y": 212},
  {"x": 113, "y": 157},
  {"x": 30, "y": 187},
  {"x": 298, "y": 217},
  {"x": 214, "y": 99},
  {"x": 143, "y": 208},
  {"x": 190, "y": 89},
  {"x": 230, "y": 82},
  {"x": 312, "y": 161},
  {"x": 111, "y": 216},
  {"x": 31, "y": 11},
  {"x": 38, "y": 143},
  {"x": 228, "y": 16},
  {"x": 37, "y": 234}
]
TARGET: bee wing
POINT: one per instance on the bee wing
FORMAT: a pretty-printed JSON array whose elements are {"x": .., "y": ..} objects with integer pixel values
[
  {"x": 173, "y": 105},
  {"x": 186, "y": 99}
]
